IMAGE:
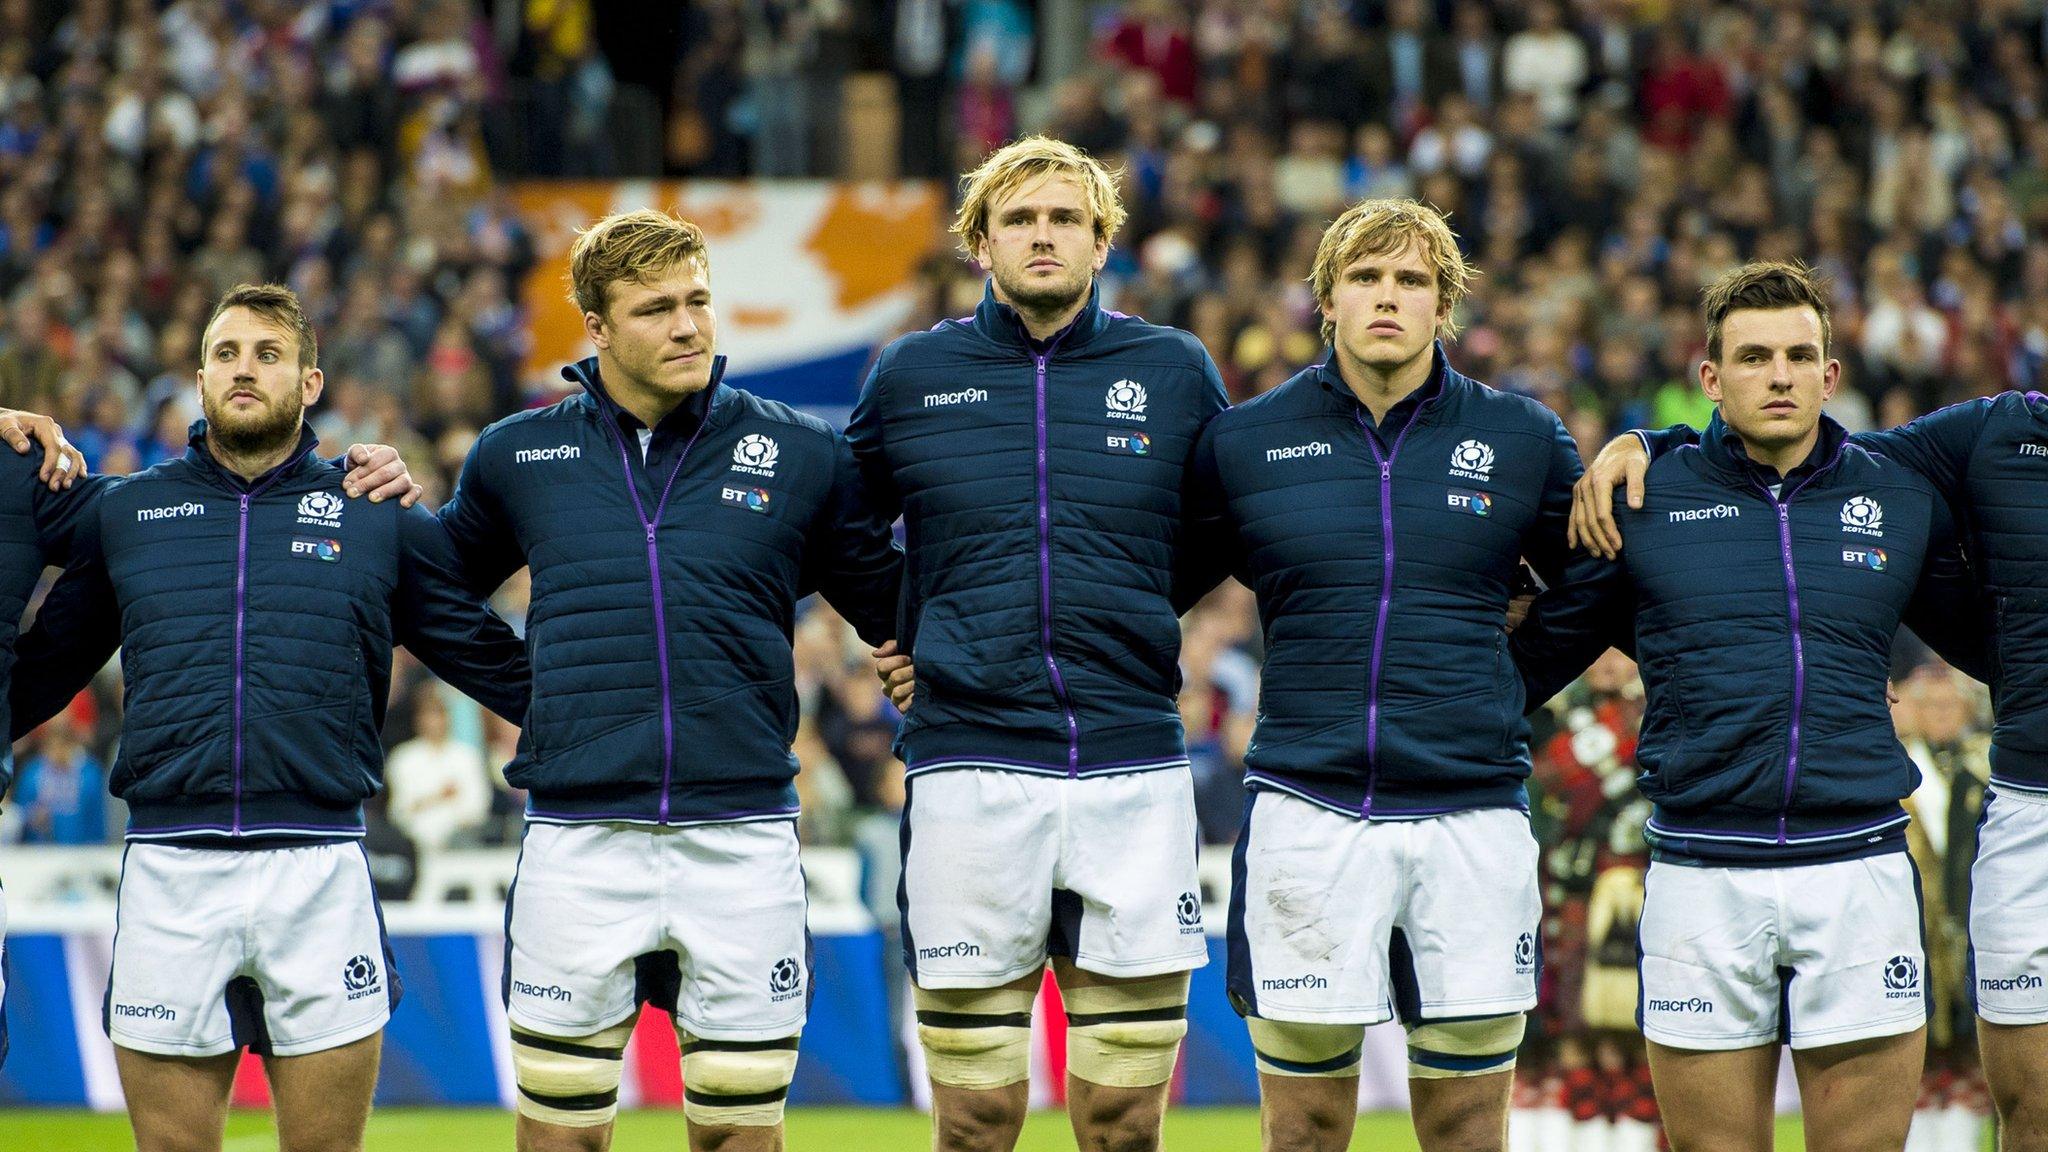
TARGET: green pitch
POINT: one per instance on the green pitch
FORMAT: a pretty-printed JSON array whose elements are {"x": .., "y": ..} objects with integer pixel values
[{"x": 834, "y": 1129}]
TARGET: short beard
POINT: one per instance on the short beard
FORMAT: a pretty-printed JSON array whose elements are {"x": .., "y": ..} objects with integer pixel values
[
  {"x": 274, "y": 429},
  {"x": 1045, "y": 301}
]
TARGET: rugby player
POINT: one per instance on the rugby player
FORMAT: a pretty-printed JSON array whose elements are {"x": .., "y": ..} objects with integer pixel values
[
  {"x": 1036, "y": 451},
  {"x": 671, "y": 523},
  {"x": 1989, "y": 458},
  {"x": 1380, "y": 504},
  {"x": 1768, "y": 570},
  {"x": 257, "y": 607}
]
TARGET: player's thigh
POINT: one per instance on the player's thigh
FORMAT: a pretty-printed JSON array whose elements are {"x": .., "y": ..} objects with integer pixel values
[
  {"x": 735, "y": 918},
  {"x": 1717, "y": 1101},
  {"x": 1853, "y": 940},
  {"x": 2009, "y": 909},
  {"x": 323, "y": 1098},
  {"x": 1708, "y": 964},
  {"x": 1860, "y": 1095},
  {"x": 1312, "y": 904},
  {"x": 585, "y": 902},
  {"x": 2015, "y": 1061},
  {"x": 176, "y": 1103},
  {"x": 1469, "y": 919},
  {"x": 177, "y": 944},
  {"x": 319, "y": 956},
  {"x": 1129, "y": 858},
  {"x": 979, "y": 849}
]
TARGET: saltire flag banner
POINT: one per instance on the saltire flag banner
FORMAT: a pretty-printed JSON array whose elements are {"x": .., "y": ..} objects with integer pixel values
[{"x": 809, "y": 277}]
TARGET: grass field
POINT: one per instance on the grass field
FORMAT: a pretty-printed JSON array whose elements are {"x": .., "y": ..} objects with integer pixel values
[{"x": 832, "y": 1129}]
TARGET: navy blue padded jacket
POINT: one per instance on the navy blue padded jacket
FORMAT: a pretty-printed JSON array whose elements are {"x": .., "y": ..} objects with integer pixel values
[
  {"x": 256, "y": 621},
  {"x": 1989, "y": 457},
  {"x": 665, "y": 588},
  {"x": 35, "y": 530},
  {"x": 1383, "y": 557},
  {"x": 1763, "y": 625},
  {"x": 1040, "y": 489}
]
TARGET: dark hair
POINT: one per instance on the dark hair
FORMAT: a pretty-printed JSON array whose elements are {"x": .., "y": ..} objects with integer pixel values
[
  {"x": 275, "y": 303},
  {"x": 1764, "y": 284}
]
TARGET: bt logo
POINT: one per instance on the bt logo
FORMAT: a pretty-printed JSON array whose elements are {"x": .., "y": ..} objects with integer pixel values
[
  {"x": 1871, "y": 558},
  {"x": 1133, "y": 444},
  {"x": 1477, "y": 503}
]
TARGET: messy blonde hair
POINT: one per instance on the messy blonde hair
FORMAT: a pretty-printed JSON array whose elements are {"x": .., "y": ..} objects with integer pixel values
[
  {"x": 1015, "y": 165},
  {"x": 630, "y": 246},
  {"x": 1766, "y": 285},
  {"x": 1382, "y": 228}
]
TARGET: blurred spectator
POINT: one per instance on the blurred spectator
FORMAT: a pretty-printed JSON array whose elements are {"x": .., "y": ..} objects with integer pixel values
[
  {"x": 60, "y": 790},
  {"x": 437, "y": 789}
]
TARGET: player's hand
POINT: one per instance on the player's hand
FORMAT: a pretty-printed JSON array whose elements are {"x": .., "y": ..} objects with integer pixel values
[
  {"x": 62, "y": 463},
  {"x": 377, "y": 470},
  {"x": 1592, "y": 525},
  {"x": 1518, "y": 609},
  {"x": 898, "y": 675}
]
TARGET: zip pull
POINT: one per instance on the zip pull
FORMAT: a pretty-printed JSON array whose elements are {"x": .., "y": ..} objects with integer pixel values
[
  {"x": 1386, "y": 469},
  {"x": 245, "y": 502},
  {"x": 1783, "y": 513},
  {"x": 650, "y": 534}
]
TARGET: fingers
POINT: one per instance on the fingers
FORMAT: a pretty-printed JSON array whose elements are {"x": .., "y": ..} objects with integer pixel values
[
  {"x": 411, "y": 498},
  {"x": 1638, "y": 468},
  {"x": 901, "y": 696},
  {"x": 63, "y": 468},
  {"x": 1606, "y": 541},
  {"x": 887, "y": 650},
  {"x": 379, "y": 482},
  {"x": 16, "y": 436},
  {"x": 1572, "y": 533}
]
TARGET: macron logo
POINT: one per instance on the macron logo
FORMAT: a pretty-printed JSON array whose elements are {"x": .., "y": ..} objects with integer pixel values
[
  {"x": 964, "y": 396},
  {"x": 543, "y": 455},
  {"x": 1717, "y": 512},
  {"x": 2034, "y": 449},
  {"x": 1297, "y": 451},
  {"x": 188, "y": 508}
]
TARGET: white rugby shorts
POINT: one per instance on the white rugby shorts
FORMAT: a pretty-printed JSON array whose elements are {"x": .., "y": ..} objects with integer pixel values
[
  {"x": 705, "y": 921},
  {"x": 1003, "y": 869},
  {"x": 281, "y": 950},
  {"x": 1338, "y": 920},
  {"x": 1811, "y": 955},
  {"x": 2009, "y": 908}
]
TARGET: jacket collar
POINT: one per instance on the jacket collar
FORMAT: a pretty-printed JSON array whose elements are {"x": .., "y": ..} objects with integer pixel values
[
  {"x": 203, "y": 461},
  {"x": 1000, "y": 323},
  {"x": 1725, "y": 452},
  {"x": 694, "y": 409},
  {"x": 1423, "y": 403}
]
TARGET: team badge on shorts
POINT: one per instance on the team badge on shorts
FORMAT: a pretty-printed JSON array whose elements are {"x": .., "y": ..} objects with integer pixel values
[
  {"x": 1525, "y": 954},
  {"x": 1188, "y": 910},
  {"x": 785, "y": 980},
  {"x": 1901, "y": 978},
  {"x": 359, "y": 977}
]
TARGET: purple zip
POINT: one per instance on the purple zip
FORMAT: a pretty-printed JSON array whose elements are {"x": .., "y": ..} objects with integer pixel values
[
  {"x": 1798, "y": 641},
  {"x": 668, "y": 722},
  {"x": 1379, "y": 633},
  {"x": 241, "y": 613},
  {"x": 1052, "y": 666}
]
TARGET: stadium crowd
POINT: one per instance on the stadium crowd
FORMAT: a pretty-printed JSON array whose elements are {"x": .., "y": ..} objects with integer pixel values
[{"x": 1601, "y": 160}]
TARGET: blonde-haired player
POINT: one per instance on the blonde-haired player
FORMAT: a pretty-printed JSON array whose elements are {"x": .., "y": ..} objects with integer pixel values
[
  {"x": 1036, "y": 452},
  {"x": 1380, "y": 505},
  {"x": 671, "y": 523}
]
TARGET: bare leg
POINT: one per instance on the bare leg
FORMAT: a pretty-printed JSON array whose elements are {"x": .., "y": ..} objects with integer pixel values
[
  {"x": 1859, "y": 1097},
  {"x": 1717, "y": 1101},
  {"x": 323, "y": 1098},
  {"x": 2016, "y": 1067},
  {"x": 176, "y": 1103}
]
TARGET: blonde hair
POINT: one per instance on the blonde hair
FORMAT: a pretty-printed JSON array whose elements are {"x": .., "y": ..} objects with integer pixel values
[
  {"x": 630, "y": 246},
  {"x": 1384, "y": 227},
  {"x": 1014, "y": 165}
]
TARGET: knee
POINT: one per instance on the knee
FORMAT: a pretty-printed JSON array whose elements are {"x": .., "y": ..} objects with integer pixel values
[
  {"x": 1118, "y": 1122},
  {"x": 977, "y": 1121},
  {"x": 539, "y": 1136},
  {"x": 1312, "y": 1128}
]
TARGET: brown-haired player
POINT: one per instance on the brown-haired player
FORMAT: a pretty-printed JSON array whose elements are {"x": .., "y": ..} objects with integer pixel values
[
  {"x": 1769, "y": 567},
  {"x": 1036, "y": 450},
  {"x": 1380, "y": 505},
  {"x": 671, "y": 523}
]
